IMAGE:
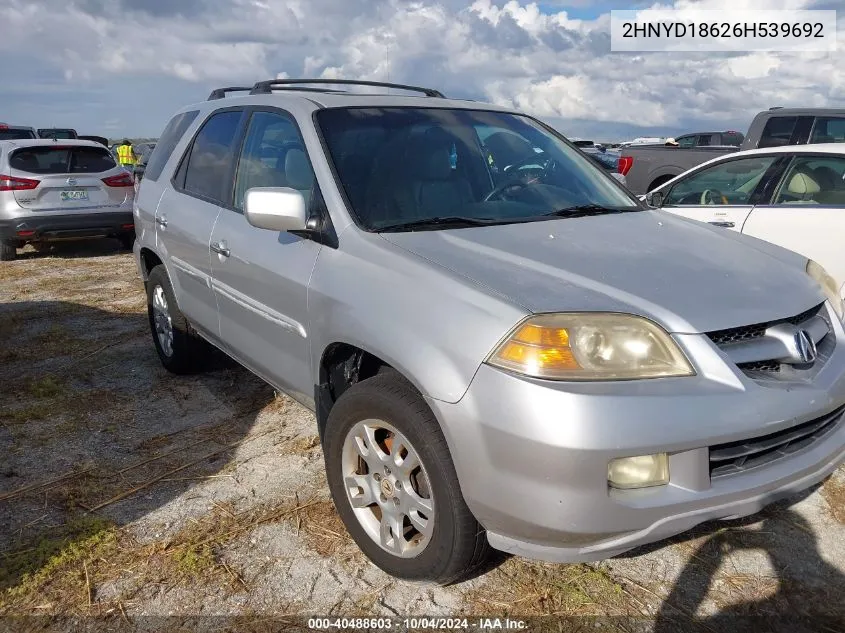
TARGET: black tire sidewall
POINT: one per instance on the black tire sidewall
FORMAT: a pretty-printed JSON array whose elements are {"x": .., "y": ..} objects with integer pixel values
[
  {"x": 367, "y": 400},
  {"x": 181, "y": 360}
]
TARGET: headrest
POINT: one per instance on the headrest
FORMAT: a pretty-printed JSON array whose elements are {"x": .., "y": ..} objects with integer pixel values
[
  {"x": 802, "y": 184},
  {"x": 298, "y": 170}
]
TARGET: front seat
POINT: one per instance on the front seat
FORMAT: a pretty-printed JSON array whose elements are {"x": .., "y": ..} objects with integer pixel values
[
  {"x": 803, "y": 187},
  {"x": 430, "y": 187}
]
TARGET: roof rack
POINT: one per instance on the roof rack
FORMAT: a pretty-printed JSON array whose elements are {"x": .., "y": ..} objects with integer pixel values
[
  {"x": 220, "y": 93},
  {"x": 267, "y": 87}
]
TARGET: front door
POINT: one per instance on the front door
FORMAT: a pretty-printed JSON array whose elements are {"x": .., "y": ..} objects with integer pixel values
[
  {"x": 261, "y": 277},
  {"x": 722, "y": 194}
]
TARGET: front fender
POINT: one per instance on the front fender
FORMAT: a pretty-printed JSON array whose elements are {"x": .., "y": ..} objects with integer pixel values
[{"x": 428, "y": 323}]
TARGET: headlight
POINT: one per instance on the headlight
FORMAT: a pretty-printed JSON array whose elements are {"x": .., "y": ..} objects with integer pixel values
[
  {"x": 591, "y": 346},
  {"x": 829, "y": 286}
]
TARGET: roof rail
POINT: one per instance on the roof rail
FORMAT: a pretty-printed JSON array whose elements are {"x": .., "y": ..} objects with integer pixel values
[
  {"x": 220, "y": 93},
  {"x": 266, "y": 87},
  {"x": 776, "y": 108}
]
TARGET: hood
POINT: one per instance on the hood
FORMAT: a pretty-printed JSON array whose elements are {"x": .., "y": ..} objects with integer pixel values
[{"x": 688, "y": 276}]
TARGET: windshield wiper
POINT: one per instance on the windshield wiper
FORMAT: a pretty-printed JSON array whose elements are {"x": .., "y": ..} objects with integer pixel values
[
  {"x": 581, "y": 210},
  {"x": 452, "y": 221}
]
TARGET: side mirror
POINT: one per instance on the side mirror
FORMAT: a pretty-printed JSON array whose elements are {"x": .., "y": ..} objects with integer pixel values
[
  {"x": 654, "y": 199},
  {"x": 275, "y": 208}
]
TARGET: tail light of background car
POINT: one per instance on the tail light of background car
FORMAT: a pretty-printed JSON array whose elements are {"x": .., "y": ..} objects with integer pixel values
[
  {"x": 625, "y": 164},
  {"x": 121, "y": 180},
  {"x": 10, "y": 183}
]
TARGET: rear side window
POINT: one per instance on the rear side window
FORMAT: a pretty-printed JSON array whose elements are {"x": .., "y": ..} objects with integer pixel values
[
  {"x": 167, "y": 143},
  {"x": 705, "y": 139},
  {"x": 786, "y": 130},
  {"x": 62, "y": 160},
  {"x": 778, "y": 131},
  {"x": 211, "y": 156}
]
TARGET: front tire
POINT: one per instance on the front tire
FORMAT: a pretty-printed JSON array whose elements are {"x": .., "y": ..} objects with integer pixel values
[
  {"x": 394, "y": 485},
  {"x": 179, "y": 349},
  {"x": 8, "y": 251}
]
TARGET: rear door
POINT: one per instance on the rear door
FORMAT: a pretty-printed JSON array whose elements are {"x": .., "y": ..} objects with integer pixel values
[
  {"x": 724, "y": 193},
  {"x": 187, "y": 212},
  {"x": 68, "y": 179},
  {"x": 260, "y": 277},
  {"x": 806, "y": 212}
]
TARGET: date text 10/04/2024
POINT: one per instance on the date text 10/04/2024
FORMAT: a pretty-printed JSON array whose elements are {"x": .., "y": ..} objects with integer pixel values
[{"x": 386, "y": 624}]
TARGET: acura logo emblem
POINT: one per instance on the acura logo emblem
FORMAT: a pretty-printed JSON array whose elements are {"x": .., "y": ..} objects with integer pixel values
[{"x": 805, "y": 346}]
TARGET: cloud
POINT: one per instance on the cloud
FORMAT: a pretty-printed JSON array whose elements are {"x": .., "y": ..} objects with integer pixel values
[{"x": 534, "y": 56}]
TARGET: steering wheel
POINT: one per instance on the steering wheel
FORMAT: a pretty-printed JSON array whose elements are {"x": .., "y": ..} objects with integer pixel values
[
  {"x": 516, "y": 180},
  {"x": 526, "y": 161},
  {"x": 709, "y": 197},
  {"x": 497, "y": 192}
]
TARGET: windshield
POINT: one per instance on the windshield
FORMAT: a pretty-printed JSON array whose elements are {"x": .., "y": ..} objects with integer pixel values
[{"x": 409, "y": 165}]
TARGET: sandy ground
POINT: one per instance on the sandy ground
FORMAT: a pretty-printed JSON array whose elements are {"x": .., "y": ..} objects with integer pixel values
[{"x": 130, "y": 492}]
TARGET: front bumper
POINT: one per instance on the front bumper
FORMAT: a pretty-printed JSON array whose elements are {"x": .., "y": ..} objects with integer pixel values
[
  {"x": 72, "y": 225},
  {"x": 532, "y": 455}
]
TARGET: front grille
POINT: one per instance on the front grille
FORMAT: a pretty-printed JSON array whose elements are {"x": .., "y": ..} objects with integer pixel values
[
  {"x": 760, "y": 365},
  {"x": 746, "y": 332},
  {"x": 737, "y": 457}
]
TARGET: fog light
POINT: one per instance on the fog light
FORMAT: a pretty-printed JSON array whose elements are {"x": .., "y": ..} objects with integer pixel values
[{"x": 641, "y": 471}]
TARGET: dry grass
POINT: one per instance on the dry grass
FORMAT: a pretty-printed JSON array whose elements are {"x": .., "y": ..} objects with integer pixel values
[
  {"x": 522, "y": 588},
  {"x": 833, "y": 492},
  {"x": 57, "y": 574}
]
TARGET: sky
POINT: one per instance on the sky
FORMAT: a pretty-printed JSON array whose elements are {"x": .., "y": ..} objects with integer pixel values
[{"x": 122, "y": 67}]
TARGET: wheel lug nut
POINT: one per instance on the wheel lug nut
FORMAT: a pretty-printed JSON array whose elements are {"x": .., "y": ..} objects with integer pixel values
[
  {"x": 377, "y": 477},
  {"x": 395, "y": 501},
  {"x": 398, "y": 485},
  {"x": 383, "y": 498},
  {"x": 386, "y": 470}
]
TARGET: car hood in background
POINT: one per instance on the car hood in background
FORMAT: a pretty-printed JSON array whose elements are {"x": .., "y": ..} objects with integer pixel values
[{"x": 686, "y": 275}]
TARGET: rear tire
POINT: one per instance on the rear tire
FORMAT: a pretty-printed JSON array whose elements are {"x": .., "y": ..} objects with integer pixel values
[
  {"x": 8, "y": 250},
  {"x": 179, "y": 348},
  {"x": 388, "y": 417}
]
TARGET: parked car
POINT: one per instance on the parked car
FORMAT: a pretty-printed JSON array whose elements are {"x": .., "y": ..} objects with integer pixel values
[
  {"x": 791, "y": 196},
  {"x": 646, "y": 168},
  {"x": 511, "y": 351},
  {"x": 57, "y": 133},
  {"x": 13, "y": 132},
  {"x": 51, "y": 191}
]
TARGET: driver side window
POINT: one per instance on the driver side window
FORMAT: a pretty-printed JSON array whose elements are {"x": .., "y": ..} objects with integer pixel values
[
  {"x": 729, "y": 183},
  {"x": 273, "y": 156}
]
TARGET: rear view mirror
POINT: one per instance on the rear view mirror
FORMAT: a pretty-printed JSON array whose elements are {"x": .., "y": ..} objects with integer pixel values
[
  {"x": 275, "y": 208},
  {"x": 654, "y": 199}
]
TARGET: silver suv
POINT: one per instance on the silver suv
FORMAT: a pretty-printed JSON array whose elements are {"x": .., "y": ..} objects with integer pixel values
[
  {"x": 502, "y": 346},
  {"x": 55, "y": 190}
]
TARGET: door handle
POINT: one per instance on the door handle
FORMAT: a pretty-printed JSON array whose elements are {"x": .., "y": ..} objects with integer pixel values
[
  {"x": 220, "y": 248},
  {"x": 727, "y": 225},
  {"x": 161, "y": 220}
]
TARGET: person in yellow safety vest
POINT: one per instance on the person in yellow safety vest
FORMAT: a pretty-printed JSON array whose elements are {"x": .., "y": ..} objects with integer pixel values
[{"x": 126, "y": 155}]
